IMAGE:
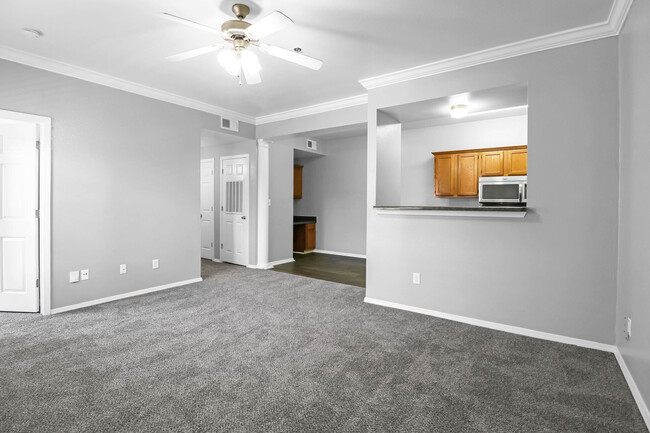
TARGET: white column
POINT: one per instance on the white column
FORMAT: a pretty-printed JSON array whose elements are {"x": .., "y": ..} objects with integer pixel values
[{"x": 263, "y": 204}]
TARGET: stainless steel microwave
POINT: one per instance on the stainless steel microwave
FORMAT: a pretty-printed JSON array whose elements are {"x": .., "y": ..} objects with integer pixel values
[{"x": 503, "y": 190}]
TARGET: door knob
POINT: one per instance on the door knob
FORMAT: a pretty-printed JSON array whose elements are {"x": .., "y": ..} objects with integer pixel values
[{"x": 243, "y": 217}]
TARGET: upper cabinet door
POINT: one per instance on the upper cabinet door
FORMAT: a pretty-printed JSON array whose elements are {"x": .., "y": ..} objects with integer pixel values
[
  {"x": 468, "y": 174},
  {"x": 492, "y": 163},
  {"x": 516, "y": 162},
  {"x": 445, "y": 175}
]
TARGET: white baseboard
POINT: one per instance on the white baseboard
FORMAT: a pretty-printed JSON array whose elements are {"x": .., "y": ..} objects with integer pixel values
[
  {"x": 217, "y": 261},
  {"x": 124, "y": 295},
  {"x": 279, "y": 262},
  {"x": 262, "y": 266},
  {"x": 338, "y": 253},
  {"x": 498, "y": 326},
  {"x": 643, "y": 407}
]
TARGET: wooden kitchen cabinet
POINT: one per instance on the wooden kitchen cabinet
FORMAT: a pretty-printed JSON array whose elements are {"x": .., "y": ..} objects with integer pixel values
[
  {"x": 304, "y": 237},
  {"x": 297, "y": 181},
  {"x": 515, "y": 162},
  {"x": 445, "y": 175},
  {"x": 456, "y": 173},
  {"x": 467, "y": 175},
  {"x": 492, "y": 163}
]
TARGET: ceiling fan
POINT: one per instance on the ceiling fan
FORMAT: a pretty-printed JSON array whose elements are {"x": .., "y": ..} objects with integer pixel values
[{"x": 238, "y": 35}]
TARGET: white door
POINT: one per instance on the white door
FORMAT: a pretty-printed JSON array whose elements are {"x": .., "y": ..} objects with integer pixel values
[
  {"x": 207, "y": 208},
  {"x": 234, "y": 209},
  {"x": 18, "y": 219}
]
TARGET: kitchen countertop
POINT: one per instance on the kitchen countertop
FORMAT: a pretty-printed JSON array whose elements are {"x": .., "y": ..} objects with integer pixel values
[
  {"x": 457, "y": 208},
  {"x": 298, "y": 220}
]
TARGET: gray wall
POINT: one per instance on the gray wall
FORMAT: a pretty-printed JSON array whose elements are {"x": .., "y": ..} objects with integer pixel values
[
  {"x": 634, "y": 232},
  {"x": 125, "y": 183},
  {"x": 281, "y": 195},
  {"x": 417, "y": 161},
  {"x": 334, "y": 190},
  {"x": 555, "y": 270},
  {"x": 213, "y": 147}
]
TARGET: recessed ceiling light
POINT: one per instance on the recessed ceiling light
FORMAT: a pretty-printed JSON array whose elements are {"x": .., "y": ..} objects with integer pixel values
[{"x": 32, "y": 33}]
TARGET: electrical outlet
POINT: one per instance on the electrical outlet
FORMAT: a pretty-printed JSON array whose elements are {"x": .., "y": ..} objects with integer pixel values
[
  {"x": 627, "y": 328},
  {"x": 84, "y": 274},
  {"x": 123, "y": 269},
  {"x": 74, "y": 276},
  {"x": 416, "y": 278},
  {"x": 155, "y": 264}
]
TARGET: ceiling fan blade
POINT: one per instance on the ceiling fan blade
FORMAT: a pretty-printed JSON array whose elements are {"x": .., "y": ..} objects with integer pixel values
[
  {"x": 189, "y": 23},
  {"x": 292, "y": 56},
  {"x": 251, "y": 74},
  {"x": 194, "y": 53},
  {"x": 273, "y": 22}
]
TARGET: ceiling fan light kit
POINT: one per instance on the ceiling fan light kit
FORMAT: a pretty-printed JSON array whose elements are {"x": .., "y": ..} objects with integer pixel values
[{"x": 235, "y": 56}]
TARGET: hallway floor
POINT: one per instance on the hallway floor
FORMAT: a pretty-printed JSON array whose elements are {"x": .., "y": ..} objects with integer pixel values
[{"x": 328, "y": 267}]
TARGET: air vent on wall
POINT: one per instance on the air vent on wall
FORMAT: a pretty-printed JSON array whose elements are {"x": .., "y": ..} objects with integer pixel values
[
  {"x": 229, "y": 124},
  {"x": 311, "y": 144}
]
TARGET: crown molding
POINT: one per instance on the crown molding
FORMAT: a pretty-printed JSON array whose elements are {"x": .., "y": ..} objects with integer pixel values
[
  {"x": 618, "y": 14},
  {"x": 611, "y": 27},
  {"x": 69, "y": 70},
  {"x": 324, "y": 107}
]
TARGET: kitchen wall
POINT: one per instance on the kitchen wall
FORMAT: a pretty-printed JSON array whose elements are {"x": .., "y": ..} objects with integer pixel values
[
  {"x": 125, "y": 183},
  {"x": 555, "y": 270},
  {"x": 334, "y": 190},
  {"x": 634, "y": 233},
  {"x": 418, "y": 143},
  {"x": 389, "y": 160},
  {"x": 213, "y": 146}
]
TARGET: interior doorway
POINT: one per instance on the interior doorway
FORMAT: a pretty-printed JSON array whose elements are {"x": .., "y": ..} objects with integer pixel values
[
  {"x": 24, "y": 212},
  {"x": 207, "y": 208}
]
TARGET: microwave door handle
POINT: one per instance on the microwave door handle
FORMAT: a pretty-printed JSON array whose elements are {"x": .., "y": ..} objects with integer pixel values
[
  {"x": 521, "y": 191},
  {"x": 526, "y": 191}
]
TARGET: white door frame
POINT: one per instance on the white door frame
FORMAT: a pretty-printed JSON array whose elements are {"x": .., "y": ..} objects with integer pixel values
[
  {"x": 221, "y": 219},
  {"x": 44, "y": 202}
]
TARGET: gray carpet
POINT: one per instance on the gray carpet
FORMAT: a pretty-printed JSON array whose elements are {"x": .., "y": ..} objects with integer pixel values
[{"x": 249, "y": 350}]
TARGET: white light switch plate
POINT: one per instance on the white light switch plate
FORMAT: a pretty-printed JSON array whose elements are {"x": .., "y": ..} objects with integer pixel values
[
  {"x": 123, "y": 269},
  {"x": 416, "y": 278},
  {"x": 74, "y": 276},
  {"x": 155, "y": 263}
]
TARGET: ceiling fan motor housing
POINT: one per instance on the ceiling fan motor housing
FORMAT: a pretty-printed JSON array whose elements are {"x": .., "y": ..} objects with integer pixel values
[{"x": 240, "y": 10}]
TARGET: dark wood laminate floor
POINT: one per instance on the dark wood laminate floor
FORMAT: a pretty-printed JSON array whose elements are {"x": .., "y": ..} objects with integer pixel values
[{"x": 328, "y": 267}]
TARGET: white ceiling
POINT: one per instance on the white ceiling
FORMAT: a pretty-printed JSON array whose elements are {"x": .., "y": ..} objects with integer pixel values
[{"x": 356, "y": 40}]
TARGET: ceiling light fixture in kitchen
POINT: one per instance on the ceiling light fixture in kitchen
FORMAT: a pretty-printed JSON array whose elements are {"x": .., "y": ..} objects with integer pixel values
[{"x": 458, "y": 111}]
